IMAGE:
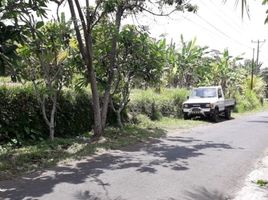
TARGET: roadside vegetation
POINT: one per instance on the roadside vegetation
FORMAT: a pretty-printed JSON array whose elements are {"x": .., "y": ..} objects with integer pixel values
[
  {"x": 64, "y": 86},
  {"x": 262, "y": 183},
  {"x": 44, "y": 154}
]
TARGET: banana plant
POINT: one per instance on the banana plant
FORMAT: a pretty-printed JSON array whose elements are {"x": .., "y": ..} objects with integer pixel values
[{"x": 189, "y": 60}]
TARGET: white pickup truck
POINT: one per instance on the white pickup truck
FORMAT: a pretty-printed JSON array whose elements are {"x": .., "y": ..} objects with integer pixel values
[{"x": 208, "y": 102}]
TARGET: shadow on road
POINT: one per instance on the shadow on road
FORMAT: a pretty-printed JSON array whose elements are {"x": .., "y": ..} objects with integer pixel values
[
  {"x": 171, "y": 153},
  {"x": 265, "y": 120},
  {"x": 258, "y": 121},
  {"x": 201, "y": 193},
  {"x": 204, "y": 194},
  {"x": 86, "y": 195}
]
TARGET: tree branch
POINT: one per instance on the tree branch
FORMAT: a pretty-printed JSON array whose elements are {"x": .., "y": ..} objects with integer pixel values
[
  {"x": 156, "y": 14},
  {"x": 81, "y": 15},
  {"x": 77, "y": 31}
]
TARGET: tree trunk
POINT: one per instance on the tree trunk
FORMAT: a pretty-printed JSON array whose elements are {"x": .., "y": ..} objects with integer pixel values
[
  {"x": 51, "y": 132},
  {"x": 106, "y": 97},
  {"x": 85, "y": 47},
  {"x": 52, "y": 117},
  {"x": 2, "y": 69},
  {"x": 119, "y": 119},
  {"x": 98, "y": 130}
]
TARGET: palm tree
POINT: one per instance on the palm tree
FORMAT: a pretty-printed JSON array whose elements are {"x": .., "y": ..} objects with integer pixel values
[{"x": 244, "y": 6}]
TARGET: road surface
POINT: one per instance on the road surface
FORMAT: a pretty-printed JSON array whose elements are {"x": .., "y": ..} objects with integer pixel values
[{"x": 204, "y": 163}]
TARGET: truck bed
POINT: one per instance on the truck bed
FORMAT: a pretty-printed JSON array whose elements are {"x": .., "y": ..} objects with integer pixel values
[{"x": 229, "y": 102}]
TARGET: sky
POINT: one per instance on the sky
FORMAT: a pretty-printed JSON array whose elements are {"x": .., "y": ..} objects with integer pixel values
[{"x": 216, "y": 25}]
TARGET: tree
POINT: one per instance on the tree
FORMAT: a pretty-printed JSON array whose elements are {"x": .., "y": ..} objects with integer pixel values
[
  {"x": 47, "y": 64},
  {"x": 245, "y": 7},
  {"x": 11, "y": 29},
  {"x": 8, "y": 55},
  {"x": 140, "y": 60},
  {"x": 89, "y": 18}
]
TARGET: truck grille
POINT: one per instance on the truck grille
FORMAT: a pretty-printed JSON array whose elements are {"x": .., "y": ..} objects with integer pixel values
[{"x": 197, "y": 105}]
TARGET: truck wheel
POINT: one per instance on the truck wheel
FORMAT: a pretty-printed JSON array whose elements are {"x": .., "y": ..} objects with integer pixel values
[
  {"x": 186, "y": 116},
  {"x": 215, "y": 116},
  {"x": 227, "y": 114}
]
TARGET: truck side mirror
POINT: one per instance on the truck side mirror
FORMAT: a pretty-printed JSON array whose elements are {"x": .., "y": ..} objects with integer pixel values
[{"x": 187, "y": 97}]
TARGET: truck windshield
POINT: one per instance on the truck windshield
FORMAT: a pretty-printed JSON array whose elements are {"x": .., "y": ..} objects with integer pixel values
[{"x": 203, "y": 93}]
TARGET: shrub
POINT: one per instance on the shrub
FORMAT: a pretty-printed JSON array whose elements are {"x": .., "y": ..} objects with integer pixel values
[
  {"x": 144, "y": 120},
  {"x": 21, "y": 119},
  {"x": 247, "y": 101}
]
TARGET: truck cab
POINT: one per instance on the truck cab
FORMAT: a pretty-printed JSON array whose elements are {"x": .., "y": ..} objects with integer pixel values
[{"x": 208, "y": 102}]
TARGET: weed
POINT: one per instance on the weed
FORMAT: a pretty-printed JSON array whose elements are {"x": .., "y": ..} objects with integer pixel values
[{"x": 262, "y": 183}]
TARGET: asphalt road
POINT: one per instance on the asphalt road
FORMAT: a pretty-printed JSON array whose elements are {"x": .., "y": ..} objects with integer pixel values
[{"x": 205, "y": 163}]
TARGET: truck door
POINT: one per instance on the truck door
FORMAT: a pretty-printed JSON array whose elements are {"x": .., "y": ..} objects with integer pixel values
[{"x": 221, "y": 100}]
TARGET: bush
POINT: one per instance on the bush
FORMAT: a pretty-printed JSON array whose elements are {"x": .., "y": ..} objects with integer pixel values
[
  {"x": 144, "y": 120},
  {"x": 155, "y": 105},
  {"x": 247, "y": 101},
  {"x": 21, "y": 120}
]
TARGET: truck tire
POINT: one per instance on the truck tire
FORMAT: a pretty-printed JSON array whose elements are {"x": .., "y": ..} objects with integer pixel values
[
  {"x": 215, "y": 115},
  {"x": 186, "y": 116},
  {"x": 227, "y": 113}
]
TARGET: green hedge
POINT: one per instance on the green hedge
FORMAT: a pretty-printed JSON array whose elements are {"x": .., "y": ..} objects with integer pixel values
[
  {"x": 21, "y": 120},
  {"x": 167, "y": 103}
]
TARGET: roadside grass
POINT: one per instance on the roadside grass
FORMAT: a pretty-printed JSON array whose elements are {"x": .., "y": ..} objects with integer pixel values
[
  {"x": 168, "y": 123},
  {"x": 18, "y": 161},
  {"x": 175, "y": 123},
  {"x": 262, "y": 108}
]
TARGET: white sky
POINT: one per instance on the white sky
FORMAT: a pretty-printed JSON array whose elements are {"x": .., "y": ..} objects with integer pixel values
[{"x": 216, "y": 25}]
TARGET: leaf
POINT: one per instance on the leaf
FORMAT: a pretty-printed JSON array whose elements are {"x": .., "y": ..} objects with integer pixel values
[
  {"x": 62, "y": 56},
  {"x": 39, "y": 24},
  {"x": 73, "y": 43},
  {"x": 266, "y": 20}
]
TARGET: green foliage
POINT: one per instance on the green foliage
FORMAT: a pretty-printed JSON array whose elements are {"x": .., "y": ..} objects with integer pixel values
[
  {"x": 47, "y": 53},
  {"x": 143, "y": 120},
  {"x": 21, "y": 119},
  {"x": 247, "y": 101},
  {"x": 262, "y": 183},
  {"x": 189, "y": 62},
  {"x": 141, "y": 57},
  {"x": 13, "y": 31},
  {"x": 258, "y": 85},
  {"x": 4, "y": 80},
  {"x": 155, "y": 105}
]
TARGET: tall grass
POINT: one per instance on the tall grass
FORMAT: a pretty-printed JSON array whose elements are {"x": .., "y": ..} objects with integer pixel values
[{"x": 168, "y": 102}]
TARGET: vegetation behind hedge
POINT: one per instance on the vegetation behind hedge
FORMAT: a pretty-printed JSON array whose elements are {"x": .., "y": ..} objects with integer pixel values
[{"x": 167, "y": 103}]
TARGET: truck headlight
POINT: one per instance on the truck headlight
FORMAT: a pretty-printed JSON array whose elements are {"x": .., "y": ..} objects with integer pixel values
[
  {"x": 208, "y": 105},
  {"x": 185, "y": 105}
]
